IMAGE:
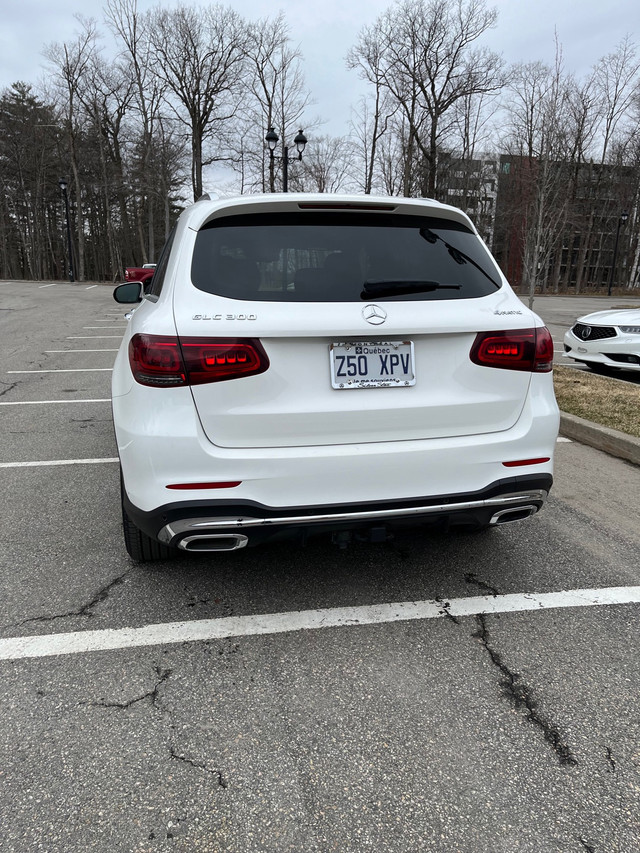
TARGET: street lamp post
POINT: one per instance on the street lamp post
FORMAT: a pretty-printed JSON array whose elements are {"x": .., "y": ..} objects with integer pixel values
[
  {"x": 272, "y": 140},
  {"x": 63, "y": 187},
  {"x": 621, "y": 220}
]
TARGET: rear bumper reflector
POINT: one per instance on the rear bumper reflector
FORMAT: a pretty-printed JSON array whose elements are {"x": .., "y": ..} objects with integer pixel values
[
  {"x": 198, "y": 486},
  {"x": 518, "y": 463}
]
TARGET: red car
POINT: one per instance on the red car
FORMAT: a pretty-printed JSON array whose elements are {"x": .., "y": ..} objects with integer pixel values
[{"x": 143, "y": 273}]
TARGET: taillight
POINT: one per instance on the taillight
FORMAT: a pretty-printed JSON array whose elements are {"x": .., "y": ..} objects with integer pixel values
[
  {"x": 518, "y": 349},
  {"x": 217, "y": 359},
  {"x": 156, "y": 360},
  {"x": 168, "y": 361}
]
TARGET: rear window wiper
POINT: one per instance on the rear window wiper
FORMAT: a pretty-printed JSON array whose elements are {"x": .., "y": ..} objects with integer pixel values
[
  {"x": 457, "y": 254},
  {"x": 400, "y": 286}
]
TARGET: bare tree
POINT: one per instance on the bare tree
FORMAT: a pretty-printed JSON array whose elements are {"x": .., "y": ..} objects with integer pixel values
[
  {"x": 630, "y": 147},
  {"x": 371, "y": 122},
  {"x": 423, "y": 53},
  {"x": 71, "y": 62},
  {"x": 472, "y": 128},
  {"x": 30, "y": 224},
  {"x": 540, "y": 139},
  {"x": 603, "y": 116},
  {"x": 327, "y": 166},
  {"x": 200, "y": 54},
  {"x": 105, "y": 92},
  {"x": 616, "y": 83},
  {"x": 132, "y": 31}
]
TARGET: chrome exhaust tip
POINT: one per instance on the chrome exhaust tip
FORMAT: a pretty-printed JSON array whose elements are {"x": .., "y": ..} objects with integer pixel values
[
  {"x": 204, "y": 542},
  {"x": 517, "y": 513}
]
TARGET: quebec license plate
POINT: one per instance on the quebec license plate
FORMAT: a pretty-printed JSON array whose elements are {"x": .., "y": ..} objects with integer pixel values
[{"x": 372, "y": 364}]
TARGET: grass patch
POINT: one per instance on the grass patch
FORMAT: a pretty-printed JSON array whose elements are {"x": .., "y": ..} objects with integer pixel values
[{"x": 604, "y": 401}]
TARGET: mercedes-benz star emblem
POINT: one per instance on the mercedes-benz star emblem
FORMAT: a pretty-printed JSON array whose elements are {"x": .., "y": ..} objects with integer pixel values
[
  {"x": 585, "y": 331},
  {"x": 374, "y": 314}
]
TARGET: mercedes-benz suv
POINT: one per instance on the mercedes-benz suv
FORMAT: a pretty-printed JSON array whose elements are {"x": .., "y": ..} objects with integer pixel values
[{"x": 348, "y": 365}]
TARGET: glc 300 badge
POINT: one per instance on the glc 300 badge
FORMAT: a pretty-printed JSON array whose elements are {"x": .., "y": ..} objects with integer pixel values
[
  {"x": 225, "y": 317},
  {"x": 374, "y": 314}
]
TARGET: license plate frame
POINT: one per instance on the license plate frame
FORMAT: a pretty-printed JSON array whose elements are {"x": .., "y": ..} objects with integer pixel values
[{"x": 372, "y": 364}]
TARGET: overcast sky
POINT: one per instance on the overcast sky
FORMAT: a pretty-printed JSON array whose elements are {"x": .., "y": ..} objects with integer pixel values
[{"x": 325, "y": 31}]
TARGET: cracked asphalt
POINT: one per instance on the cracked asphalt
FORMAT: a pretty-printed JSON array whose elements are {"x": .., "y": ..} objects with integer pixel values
[{"x": 486, "y": 734}]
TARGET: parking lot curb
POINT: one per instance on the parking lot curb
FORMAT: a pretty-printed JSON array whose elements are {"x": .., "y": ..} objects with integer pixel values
[{"x": 602, "y": 438}]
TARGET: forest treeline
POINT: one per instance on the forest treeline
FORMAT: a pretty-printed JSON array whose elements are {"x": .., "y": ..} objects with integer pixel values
[{"x": 137, "y": 112}]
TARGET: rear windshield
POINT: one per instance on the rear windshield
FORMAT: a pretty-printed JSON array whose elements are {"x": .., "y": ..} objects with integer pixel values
[{"x": 341, "y": 257}]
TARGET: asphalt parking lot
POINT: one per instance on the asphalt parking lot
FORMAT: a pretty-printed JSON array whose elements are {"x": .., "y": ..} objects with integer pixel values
[{"x": 437, "y": 693}]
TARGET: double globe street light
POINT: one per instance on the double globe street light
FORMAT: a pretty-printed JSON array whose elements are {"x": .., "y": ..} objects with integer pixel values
[{"x": 272, "y": 140}]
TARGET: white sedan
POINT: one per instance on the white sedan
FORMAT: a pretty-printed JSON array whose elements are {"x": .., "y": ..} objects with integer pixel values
[
  {"x": 606, "y": 339},
  {"x": 315, "y": 364}
]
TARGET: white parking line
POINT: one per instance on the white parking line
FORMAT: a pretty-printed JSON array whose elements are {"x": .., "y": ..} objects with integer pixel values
[
  {"x": 563, "y": 438},
  {"x": 42, "y": 286},
  {"x": 57, "y": 462},
  {"x": 91, "y": 286},
  {"x": 14, "y": 648},
  {"x": 67, "y": 370},
  {"x": 49, "y": 402}
]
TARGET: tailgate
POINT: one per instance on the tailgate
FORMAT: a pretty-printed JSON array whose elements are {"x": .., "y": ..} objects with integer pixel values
[{"x": 294, "y": 402}]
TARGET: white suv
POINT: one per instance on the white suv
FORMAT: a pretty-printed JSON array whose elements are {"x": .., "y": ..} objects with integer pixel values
[{"x": 312, "y": 363}]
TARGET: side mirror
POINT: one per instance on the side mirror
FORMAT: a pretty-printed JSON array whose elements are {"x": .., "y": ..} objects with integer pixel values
[{"x": 129, "y": 292}]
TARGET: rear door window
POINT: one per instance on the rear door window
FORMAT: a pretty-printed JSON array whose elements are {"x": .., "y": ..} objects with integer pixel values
[
  {"x": 341, "y": 257},
  {"x": 153, "y": 287}
]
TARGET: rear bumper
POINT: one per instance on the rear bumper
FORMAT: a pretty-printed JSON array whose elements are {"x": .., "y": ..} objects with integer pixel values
[
  {"x": 225, "y": 525},
  {"x": 158, "y": 447}
]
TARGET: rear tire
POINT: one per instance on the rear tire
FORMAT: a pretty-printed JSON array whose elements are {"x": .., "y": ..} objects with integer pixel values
[{"x": 140, "y": 547}]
